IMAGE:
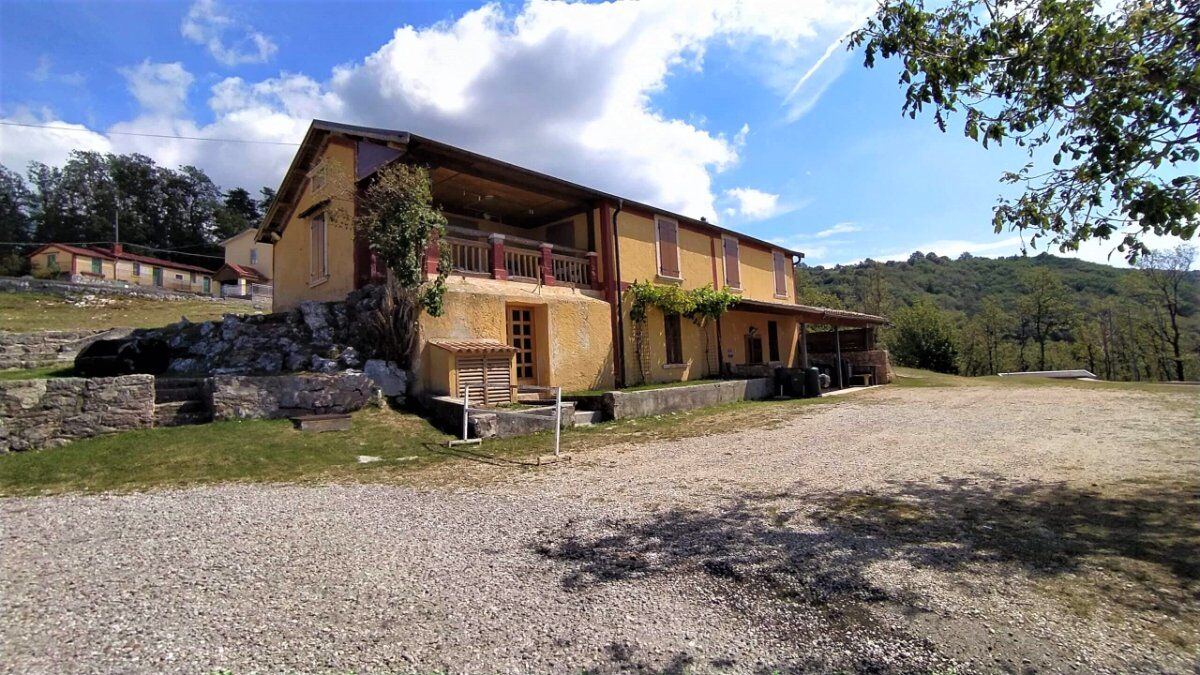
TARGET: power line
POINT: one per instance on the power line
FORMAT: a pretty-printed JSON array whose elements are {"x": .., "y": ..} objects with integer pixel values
[
  {"x": 133, "y": 133},
  {"x": 125, "y": 244}
]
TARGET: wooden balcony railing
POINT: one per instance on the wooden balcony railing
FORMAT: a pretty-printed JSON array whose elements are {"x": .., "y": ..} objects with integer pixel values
[{"x": 500, "y": 256}]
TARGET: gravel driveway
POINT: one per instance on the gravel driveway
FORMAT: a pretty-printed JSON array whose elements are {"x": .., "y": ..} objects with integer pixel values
[{"x": 996, "y": 528}]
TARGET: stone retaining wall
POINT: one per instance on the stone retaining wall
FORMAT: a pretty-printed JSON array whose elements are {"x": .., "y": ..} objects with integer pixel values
[
  {"x": 43, "y": 348},
  {"x": 874, "y": 357},
  {"x": 275, "y": 396},
  {"x": 622, "y": 404},
  {"x": 51, "y": 412}
]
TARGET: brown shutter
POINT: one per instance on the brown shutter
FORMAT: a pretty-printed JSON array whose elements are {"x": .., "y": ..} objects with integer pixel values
[
  {"x": 780, "y": 274},
  {"x": 733, "y": 276},
  {"x": 668, "y": 248}
]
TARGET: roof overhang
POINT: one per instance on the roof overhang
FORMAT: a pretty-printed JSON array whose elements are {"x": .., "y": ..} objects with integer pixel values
[
  {"x": 435, "y": 153},
  {"x": 809, "y": 314}
]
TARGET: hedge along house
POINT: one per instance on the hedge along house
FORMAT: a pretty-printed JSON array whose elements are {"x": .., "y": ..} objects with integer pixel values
[
  {"x": 116, "y": 265},
  {"x": 541, "y": 265}
]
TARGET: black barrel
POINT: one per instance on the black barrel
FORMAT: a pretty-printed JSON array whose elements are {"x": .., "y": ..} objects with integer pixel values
[{"x": 812, "y": 382}]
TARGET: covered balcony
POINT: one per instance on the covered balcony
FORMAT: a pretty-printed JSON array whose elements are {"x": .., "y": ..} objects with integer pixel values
[
  {"x": 508, "y": 223},
  {"x": 480, "y": 253}
]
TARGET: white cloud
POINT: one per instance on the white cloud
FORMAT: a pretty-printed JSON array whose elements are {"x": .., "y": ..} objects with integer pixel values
[
  {"x": 839, "y": 228},
  {"x": 752, "y": 204},
  {"x": 564, "y": 88},
  {"x": 21, "y": 145},
  {"x": 44, "y": 72},
  {"x": 208, "y": 24},
  {"x": 160, "y": 88}
]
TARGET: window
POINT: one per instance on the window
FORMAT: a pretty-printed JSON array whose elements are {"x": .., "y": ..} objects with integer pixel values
[
  {"x": 137, "y": 269},
  {"x": 318, "y": 269},
  {"x": 253, "y": 257},
  {"x": 667, "y": 236},
  {"x": 316, "y": 177},
  {"x": 192, "y": 278},
  {"x": 674, "y": 336},
  {"x": 754, "y": 352},
  {"x": 733, "y": 271},
  {"x": 96, "y": 266},
  {"x": 52, "y": 259},
  {"x": 178, "y": 277},
  {"x": 780, "y": 275},
  {"x": 773, "y": 340}
]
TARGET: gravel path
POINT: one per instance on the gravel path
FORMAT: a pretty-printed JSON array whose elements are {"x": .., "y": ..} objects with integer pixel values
[{"x": 986, "y": 529}]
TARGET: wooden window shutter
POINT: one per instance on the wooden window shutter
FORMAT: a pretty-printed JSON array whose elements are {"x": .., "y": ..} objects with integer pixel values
[
  {"x": 733, "y": 275},
  {"x": 668, "y": 248},
  {"x": 780, "y": 274}
]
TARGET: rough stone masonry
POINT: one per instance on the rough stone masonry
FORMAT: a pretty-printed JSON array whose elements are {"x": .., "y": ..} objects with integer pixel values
[{"x": 51, "y": 412}]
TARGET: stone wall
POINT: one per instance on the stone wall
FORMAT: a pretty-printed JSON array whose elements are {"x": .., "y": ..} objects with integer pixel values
[
  {"x": 622, "y": 404},
  {"x": 51, "y": 412},
  {"x": 314, "y": 337},
  {"x": 274, "y": 396},
  {"x": 94, "y": 287},
  {"x": 43, "y": 348},
  {"x": 874, "y": 357}
]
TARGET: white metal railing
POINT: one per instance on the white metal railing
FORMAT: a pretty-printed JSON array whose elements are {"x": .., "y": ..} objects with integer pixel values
[
  {"x": 469, "y": 256},
  {"x": 523, "y": 263},
  {"x": 570, "y": 270}
]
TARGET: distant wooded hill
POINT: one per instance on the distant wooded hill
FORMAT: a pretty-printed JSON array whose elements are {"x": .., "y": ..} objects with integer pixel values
[{"x": 1000, "y": 312}]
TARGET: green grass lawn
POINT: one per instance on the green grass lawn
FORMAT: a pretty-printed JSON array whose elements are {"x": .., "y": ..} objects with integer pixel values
[
  {"x": 23, "y": 312},
  {"x": 271, "y": 451},
  {"x": 41, "y": 373}
]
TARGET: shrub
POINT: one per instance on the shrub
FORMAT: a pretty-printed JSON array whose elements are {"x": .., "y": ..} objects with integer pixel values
[{"x": 923, "y": 337}]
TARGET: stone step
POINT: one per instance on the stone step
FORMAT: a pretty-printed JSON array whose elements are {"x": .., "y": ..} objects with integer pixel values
[
  {"x": 585, "y": 417},
  {"x": 171, "y": 390},
  {"x": 177, "y": 395},
  {"x": 182, "y": 419},
  {"x": 180, "y": 408}
]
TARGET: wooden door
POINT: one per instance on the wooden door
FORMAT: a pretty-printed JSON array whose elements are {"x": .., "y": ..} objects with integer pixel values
[{"x": 521, "y": 336}]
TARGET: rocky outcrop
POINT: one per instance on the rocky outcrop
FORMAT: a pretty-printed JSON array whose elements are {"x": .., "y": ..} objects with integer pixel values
[
  {"x": 274, "y": 396},
  {"x": 51, "y": 412},
  {"x": 314, "y": 337},
  {"x": 43, "y": 348}
]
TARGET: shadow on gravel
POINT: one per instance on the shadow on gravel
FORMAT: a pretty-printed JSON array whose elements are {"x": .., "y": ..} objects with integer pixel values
[{"x": 818, "y": 552}]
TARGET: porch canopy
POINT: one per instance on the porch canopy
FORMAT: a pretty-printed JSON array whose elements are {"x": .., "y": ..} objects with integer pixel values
[{"x": 819, "y": 315}]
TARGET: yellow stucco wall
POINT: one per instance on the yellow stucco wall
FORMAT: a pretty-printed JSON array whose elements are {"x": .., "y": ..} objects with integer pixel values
[
  {"x": 291, "y": 253},
  {"x": 639, "y": 260},
  {"x": 735, "y": 325},
  {"x": 237, "y": 252},
  {"x": 40, "y": 262},
  {"x": 572, "y": 326},
  {"x": 698, "y": 362}
]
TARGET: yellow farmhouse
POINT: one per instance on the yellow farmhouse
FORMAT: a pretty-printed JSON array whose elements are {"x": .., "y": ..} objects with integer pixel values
[
  {"x": 116, "y": 265},
  {"x": 541, "y": 266}
]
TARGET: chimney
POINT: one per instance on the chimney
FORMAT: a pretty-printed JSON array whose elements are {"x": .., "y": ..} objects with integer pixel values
[{"x": 117, "y": 249}]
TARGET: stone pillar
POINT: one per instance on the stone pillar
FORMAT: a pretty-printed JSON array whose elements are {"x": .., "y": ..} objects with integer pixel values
[
  {"x": 594, "y": 269},
  {"x": 499, "y": 271},
  {"x": 547, "y": 264},
  {"x": 433, "y": 251}
]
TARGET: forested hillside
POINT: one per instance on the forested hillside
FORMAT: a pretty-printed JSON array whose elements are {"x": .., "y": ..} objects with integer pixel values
[
  {"x": 987, "y": 315},
  {"x": 179, "y": 214}
]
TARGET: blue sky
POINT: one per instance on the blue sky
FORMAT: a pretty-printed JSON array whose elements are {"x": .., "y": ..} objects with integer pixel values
[{"x": 746, "y": 112}]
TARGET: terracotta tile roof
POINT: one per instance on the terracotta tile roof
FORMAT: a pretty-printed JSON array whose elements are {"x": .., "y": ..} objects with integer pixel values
[
  {"x": 109, "y": 254},
  {"x": 245, "y": 272},
  {"x": 478, "y": 346}
]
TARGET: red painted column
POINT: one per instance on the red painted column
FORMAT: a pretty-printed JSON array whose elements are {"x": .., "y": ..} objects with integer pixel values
[
  {"x": 594, "y": 269},
  {"x": 547, "y": 264},
  {"x": 433, "y": 253},
  {"x": 499, "y": 271}
]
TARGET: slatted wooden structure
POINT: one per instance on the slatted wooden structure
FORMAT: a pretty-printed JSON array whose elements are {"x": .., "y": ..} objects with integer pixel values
[{"x": 486, "y": 366}]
